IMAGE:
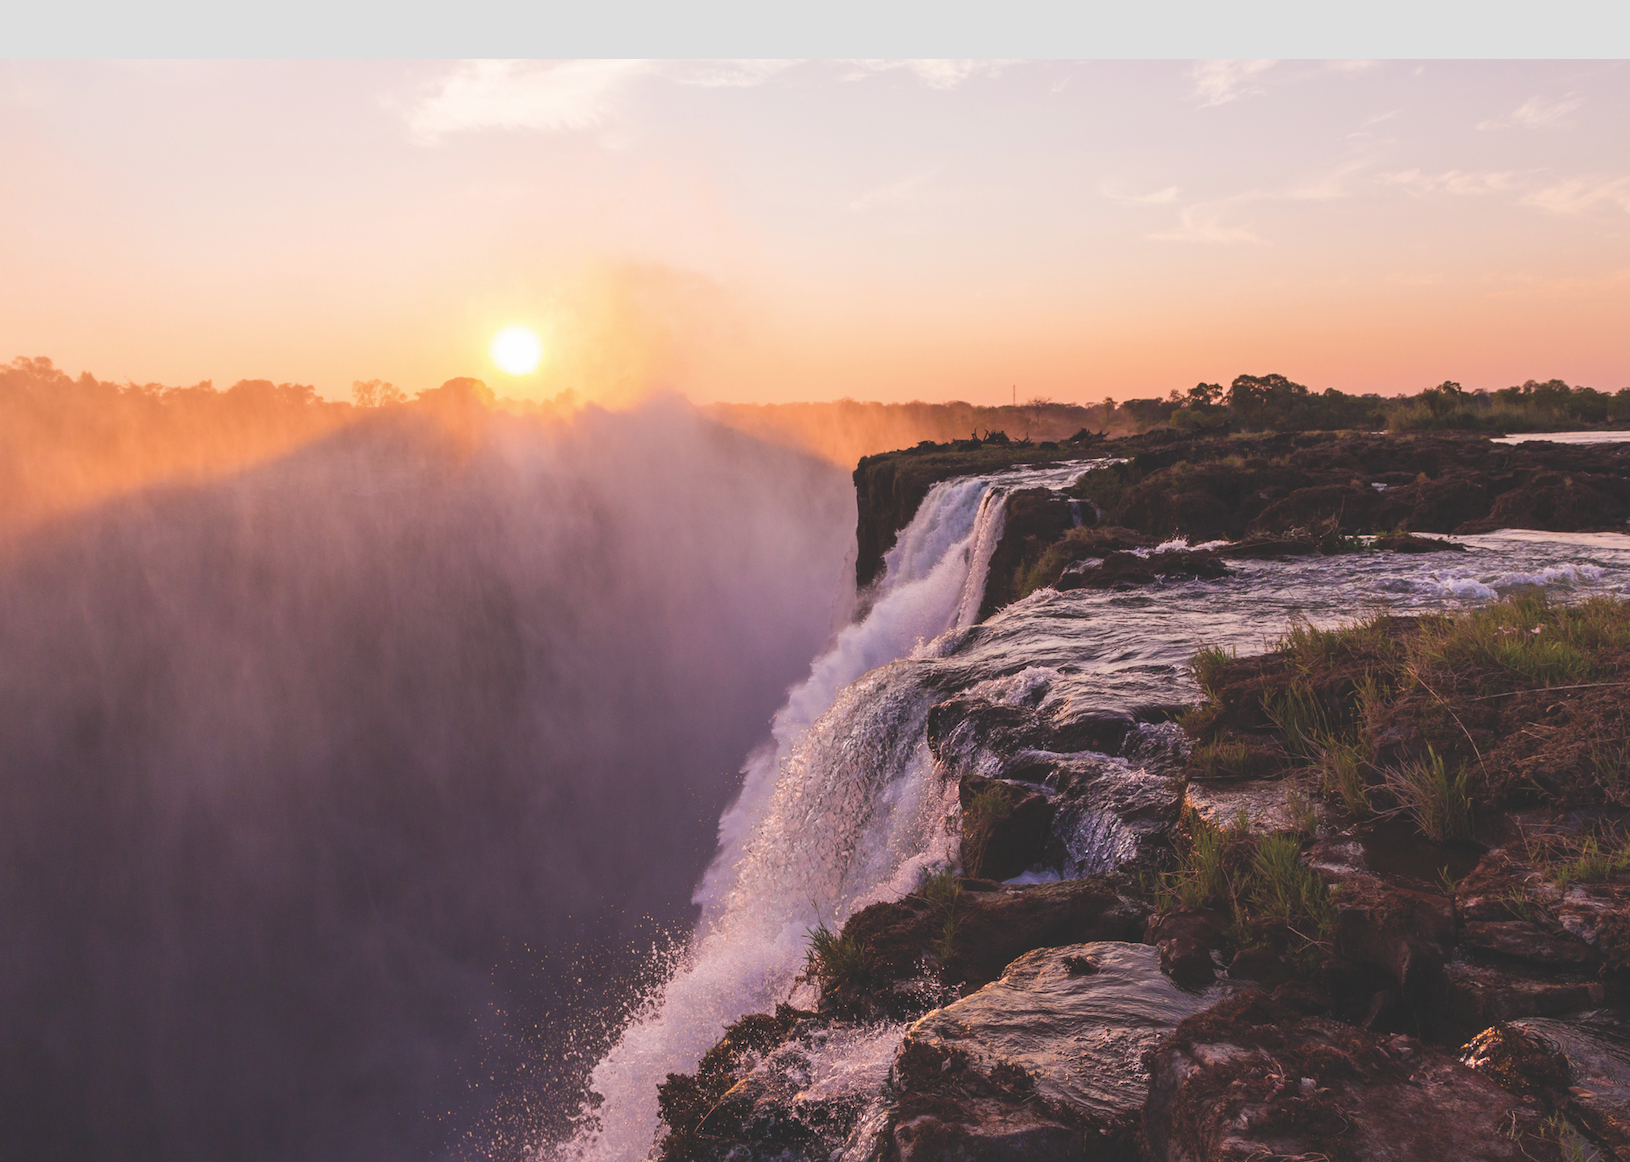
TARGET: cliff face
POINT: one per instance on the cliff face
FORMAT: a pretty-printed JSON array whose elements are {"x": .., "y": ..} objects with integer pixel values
[{"x": 890, "y": 486}]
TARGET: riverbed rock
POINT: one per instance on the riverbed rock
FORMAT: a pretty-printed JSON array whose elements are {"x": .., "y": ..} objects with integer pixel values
[
  {"x": 992, "y": 924},
  {"x": 1409, "y": 543},
  {"x": 1010, "y": 839},
  {"x": 1580, "y": 1067},
  {"x": 1130, "y": 571},
  {"x": 1269, "y": 548},
  {"x": 1185, "y": 939},
  {"x": 1257, "y": 1079},
  {"x": 1046, "y": 1062}
]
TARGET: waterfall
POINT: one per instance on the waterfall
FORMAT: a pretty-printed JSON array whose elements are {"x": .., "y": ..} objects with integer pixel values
[{"x": 838, "y": 809}]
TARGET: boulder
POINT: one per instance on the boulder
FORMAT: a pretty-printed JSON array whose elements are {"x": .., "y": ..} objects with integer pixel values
[
  {"x": 1579, "y": 1067},
  {"x": 993, "y": 924},
  {"x": 1476, "y": 995},
  {"x": 1256, "y": 1079},
  {"x": 1185, "y": 939},
  {"x": 1269, "y": 548},
  {"x": 1045, "y": 1062},
  {"x": 1406, "y": 543},
  {"x": 1129, "y": 571}
]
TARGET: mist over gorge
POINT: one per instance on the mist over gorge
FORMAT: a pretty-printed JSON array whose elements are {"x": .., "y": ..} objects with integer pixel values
[{"x": 317, "y": 773}]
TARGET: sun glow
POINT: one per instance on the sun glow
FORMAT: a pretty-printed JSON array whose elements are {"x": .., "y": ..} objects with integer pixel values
[{"x": 516, "y": 350}]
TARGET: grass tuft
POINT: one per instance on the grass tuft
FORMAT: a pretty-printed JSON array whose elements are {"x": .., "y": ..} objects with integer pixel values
[
  {"x": 1438, "y": 803},
  {"x": 979, "y": 821},
  {"x": 836, "y": 960}
]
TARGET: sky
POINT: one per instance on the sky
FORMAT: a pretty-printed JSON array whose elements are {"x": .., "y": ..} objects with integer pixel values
[{"x": 772, "y": 231}]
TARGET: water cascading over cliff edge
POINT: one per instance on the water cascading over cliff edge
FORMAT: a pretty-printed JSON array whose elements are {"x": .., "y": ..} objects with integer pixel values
[
  {"x": 836, "y": 810},
  {"x": 318, "y": 777}
]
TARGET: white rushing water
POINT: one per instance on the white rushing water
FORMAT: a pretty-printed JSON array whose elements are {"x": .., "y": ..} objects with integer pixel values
[
  {"x": 841, "y": 807},
  {"x": 834, "y": 811}
]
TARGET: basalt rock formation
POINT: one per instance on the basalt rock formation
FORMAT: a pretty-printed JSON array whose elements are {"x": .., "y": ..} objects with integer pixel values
[
  {"x": 1369, "y": 898},
  {"x": 1284, "y": 494}
]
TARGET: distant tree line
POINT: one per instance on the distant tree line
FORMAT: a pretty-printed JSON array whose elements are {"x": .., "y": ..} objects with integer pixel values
[{"x": 67, "y": 442}]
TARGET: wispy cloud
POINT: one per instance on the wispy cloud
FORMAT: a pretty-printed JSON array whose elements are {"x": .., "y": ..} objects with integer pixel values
[
  {"x": 727, "y": 74},
  {"x": 1581, "y": 195},
  {"x": 1218, "y": 82},
  {"x": 572, "y": 96},
  {"x": 1163, "y": 197},
  {"x": 501, "y": 94},
  {"x": 889, "y": 196},
  {"x": 1366, "y": 129},
  {"x": 936, "y": 74},
  {"x": 1203, "y": 223},
  {"x": 1454, "y": 181},
  {"x": 1538, "y": 113}
]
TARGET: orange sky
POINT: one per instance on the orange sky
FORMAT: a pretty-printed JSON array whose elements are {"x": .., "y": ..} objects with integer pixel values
[{"x": 781, "y": 231}]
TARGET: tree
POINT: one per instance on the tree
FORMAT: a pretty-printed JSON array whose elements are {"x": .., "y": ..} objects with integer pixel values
[
  {"x": 1203, "y": 394},
  {"x": 376, "y": 393},
  {"x": 1253, "y": 397},
  {"x": 1032, "y": 409}
]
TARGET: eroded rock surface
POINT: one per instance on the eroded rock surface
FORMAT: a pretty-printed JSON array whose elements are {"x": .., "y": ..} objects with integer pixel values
[
  {"x": 1045, "y": 1062},
  {"x": 1578, "y": 1067},
  {"x": 1254, "y": 1079}
]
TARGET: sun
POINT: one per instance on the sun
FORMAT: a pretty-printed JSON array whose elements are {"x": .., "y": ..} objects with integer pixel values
[{"x": 517, "y": 350}]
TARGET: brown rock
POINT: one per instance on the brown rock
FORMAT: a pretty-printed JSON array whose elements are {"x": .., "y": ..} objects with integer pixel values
[
  {"x": 1580, "y": 1067},
  {"x": 1477, "y": 995},
  {"x": 1011, "y": 840},
  {"x": 1128, "y": 570},
  {"x": 1184, "y": 940},
  {"x": 1046, "y": 1062},
  {"x": 1405, "y": 543},
  {"x": 1253, "y": 1079},
  {"x": 1525, "y": 941}
]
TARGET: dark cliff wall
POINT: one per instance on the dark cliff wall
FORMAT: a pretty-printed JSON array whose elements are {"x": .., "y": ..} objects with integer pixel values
[{"x": 890, "y": 486}]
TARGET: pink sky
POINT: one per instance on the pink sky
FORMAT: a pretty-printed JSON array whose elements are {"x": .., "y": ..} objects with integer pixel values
[{"x": 788, "y": 231}]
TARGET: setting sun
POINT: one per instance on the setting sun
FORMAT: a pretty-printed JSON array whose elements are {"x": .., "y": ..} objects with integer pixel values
[{"x": 516, "y": 350}]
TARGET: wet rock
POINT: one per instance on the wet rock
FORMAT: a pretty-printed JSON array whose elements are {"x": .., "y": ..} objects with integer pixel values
[
  {"x": 1267, "y": 805},
  {"x": 993, "y": 924},
  {"x": 1560, "y": 502},
  {"x": 1346, "y": 506},
  {"x": 1599, "y": 914},
  {"x": 1579, "y": 1067},
  {"x": 1045, "y": 1062},
  {"x": 999, "y": 926},
  {"x": 1406, "y": 934},
  {"x": 1254, "y": 1078},
  {"x": 1405, "y": 543},
  {"x": 1111, "y": 813},
  {"x": 1525, "y": 941},
  {"x": 1444, "y": 504},
  {"x": 1269, "y": 549},
  {"x": 1104, "y": 731},
  {"x": 1032, "y": 518},
  {"x": 1010, "y": 834},
  {"x": 1476, "y": 995},
  {"x": 1261, "y": 965},
  {"x": 1130, "y": 571},
  {"x": 1185, "y": 940}
]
